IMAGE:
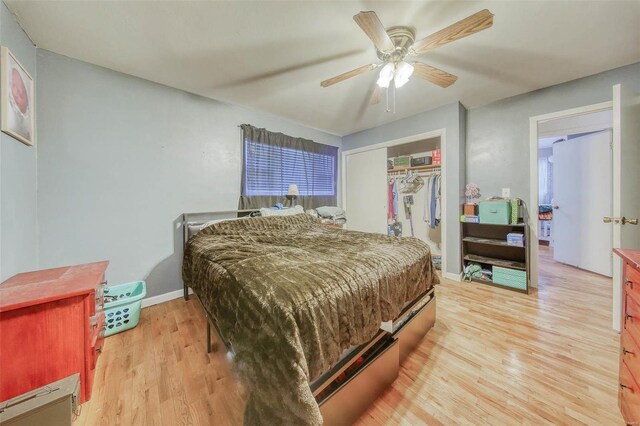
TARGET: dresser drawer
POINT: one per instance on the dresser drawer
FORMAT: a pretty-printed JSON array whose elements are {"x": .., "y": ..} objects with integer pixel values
[
  {"x": 629, "y": 395},
  {"x": 631, "y": 317},
  {"x": 630, "y": 354},
  {"x": 632, "y": 281}
]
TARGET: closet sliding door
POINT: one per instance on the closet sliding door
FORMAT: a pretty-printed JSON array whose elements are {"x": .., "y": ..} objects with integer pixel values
[{"x": 367, "y": 191}]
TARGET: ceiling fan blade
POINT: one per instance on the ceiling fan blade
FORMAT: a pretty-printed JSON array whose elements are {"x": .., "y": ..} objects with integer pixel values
[
  {"x": 373, "y": 28},
  {"x": 376, "y": 93},
  {"x": 348, "y": 74},
  {"x": 470, "y": 25},
  {"x": 433, "y": 74}
]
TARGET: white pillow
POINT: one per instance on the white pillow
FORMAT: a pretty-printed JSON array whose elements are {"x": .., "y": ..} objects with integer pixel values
[{"x": 281, "y": 212}]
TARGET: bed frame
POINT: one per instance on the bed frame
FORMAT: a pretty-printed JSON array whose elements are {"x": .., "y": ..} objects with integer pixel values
[
  {"x": 343, "y": 401},
  {"x": 191, "y": 224}
]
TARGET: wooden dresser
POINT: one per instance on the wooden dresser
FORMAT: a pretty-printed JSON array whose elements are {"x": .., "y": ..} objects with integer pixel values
[
  {"x": 51, "y": 326},
  {"x": 629, "y": 380}
]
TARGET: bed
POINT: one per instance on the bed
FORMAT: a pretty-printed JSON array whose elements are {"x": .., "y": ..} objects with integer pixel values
[{"x": 308, "y": 311}]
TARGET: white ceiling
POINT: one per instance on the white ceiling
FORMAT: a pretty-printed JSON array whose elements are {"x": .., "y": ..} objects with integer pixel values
[{"x": 271, "y": 56}]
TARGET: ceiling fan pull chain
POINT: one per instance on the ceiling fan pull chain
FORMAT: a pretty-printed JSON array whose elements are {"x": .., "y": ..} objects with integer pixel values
[
  {"x": 387, "y": 97},
  {"x": 394, "y": 98}
]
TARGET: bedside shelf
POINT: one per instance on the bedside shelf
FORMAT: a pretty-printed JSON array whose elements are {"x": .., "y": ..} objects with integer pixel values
[
  {"x": 510, "y": 225},
  {"x": 490, "y": 241},
  {"x": 497, "y": 262},
  {"x": 486, "y": 244}
]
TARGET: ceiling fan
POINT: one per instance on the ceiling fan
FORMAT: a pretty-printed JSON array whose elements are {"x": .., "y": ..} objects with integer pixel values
[{"x": 396, "y": 44}]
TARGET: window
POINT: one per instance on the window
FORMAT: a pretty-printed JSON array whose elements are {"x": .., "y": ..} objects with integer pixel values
[
  {"x": 270, "y": 169},
  {"x": 273, "y": 161}
]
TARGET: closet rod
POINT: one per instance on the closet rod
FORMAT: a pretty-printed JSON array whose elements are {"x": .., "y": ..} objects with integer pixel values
[{"x": 421, "y": 172}]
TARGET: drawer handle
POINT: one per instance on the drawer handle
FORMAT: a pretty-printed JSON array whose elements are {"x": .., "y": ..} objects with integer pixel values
[
  {"x": 625, "y": 351},
  {"x": 622, "y": 386},
  {"x": 629, "y": 283}
]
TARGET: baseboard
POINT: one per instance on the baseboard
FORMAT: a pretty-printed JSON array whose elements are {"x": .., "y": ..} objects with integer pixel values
[
  {"x": 451, "y": 276},
  {"x": 161, "y": 298}
]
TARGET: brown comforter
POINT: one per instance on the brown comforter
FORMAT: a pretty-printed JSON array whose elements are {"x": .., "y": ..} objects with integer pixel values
[{"x": 290, "y": 295}]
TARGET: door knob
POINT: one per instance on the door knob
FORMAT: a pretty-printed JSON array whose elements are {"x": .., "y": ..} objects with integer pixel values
[
  {"x": 624, "y": 221},
  {"x": 607, "y": 219}
]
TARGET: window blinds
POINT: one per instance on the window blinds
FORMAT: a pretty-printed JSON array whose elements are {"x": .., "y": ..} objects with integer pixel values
[{"x": 270, "y": 169}]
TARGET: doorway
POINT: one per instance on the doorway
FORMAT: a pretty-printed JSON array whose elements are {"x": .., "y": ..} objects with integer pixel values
[
  {"x": 625, "y": 107},
  {"x": 575, "y": 191}
]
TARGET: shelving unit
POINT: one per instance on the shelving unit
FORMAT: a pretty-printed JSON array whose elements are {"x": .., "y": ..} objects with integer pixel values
[{"x": 486, "y": 244}]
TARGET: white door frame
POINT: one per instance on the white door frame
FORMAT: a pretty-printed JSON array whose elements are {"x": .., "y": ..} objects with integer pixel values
[
  {"x": 533, "y": 173},
  {"x": 441, "y": 133}
]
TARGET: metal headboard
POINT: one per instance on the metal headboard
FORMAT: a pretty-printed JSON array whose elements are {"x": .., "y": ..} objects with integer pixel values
[{"x": 192, "y": 222}]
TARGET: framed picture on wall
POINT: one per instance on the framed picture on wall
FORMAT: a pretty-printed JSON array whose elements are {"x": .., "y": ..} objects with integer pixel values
[{"x": 16, "y": 99}]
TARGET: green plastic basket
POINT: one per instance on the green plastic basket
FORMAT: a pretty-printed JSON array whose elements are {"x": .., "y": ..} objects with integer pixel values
[{"x": 122, "y": 306}]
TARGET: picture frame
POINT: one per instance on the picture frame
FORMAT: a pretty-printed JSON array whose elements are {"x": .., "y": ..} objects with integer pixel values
[{"x": 17, "y": 99}]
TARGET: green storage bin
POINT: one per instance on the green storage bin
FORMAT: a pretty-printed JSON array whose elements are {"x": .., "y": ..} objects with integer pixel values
[
  {"x": 510, "y": 277},
  {"x": 122, "y": 306},
  {"x": 402, "y": 161},
  {"x": 497, "y": 212}
]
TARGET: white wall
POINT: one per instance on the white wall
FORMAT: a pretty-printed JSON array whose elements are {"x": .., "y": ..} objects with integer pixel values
[
  {"x": 120, "y": 159},
  {"x": 18, "y": 200},
  {"x": 498, "y": 133}
]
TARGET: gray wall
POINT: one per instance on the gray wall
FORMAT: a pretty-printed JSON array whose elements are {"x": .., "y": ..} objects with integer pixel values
[
  {"x": 18, "y": 201},
  {"x": 452, "y": 118},
  {"x": 121, "y": 158},
  {"x": 498, "y": 134}
]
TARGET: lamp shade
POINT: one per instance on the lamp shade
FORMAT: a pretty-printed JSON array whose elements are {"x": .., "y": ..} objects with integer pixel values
[
  {"x": 293, "y": 190},
  {"x": 403, "y": 72},
  {"x": 386, "y": 75}
]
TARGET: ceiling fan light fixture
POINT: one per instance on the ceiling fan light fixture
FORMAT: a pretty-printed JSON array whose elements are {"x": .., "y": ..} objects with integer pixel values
[
  {"x": 386, "y": 75},
  {"x": 402, "y": 74}
]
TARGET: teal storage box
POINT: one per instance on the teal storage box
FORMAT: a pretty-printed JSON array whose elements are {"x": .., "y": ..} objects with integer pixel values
[
  {"x": 510, "y": 277},
  {"x": 497, "y": 212},
  {"x": 122, "y": 305}
]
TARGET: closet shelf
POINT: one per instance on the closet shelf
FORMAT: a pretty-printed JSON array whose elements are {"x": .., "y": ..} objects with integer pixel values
[
  {"x": 497, "y": 262},
  {"x": 404, "y": 169},
  {"x": 490, "y": 241}
]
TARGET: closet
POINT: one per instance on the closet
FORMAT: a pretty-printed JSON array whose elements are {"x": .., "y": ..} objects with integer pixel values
[{"x": 387, "y": 192}]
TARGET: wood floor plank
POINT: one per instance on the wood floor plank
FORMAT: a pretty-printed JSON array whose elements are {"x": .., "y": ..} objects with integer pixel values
[{"x": 494, "y": 357}]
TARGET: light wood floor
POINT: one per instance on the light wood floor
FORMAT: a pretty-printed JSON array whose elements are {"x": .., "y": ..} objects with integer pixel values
[{"x": 495, "y": 357}]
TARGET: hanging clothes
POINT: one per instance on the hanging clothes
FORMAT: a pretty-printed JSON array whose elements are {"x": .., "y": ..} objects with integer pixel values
[
  {"x": 395, "y": 198},
  {"x": 390, "y": 214},
  {"x": 432, "y": 212},
  {"x": 437, "y": 211}
]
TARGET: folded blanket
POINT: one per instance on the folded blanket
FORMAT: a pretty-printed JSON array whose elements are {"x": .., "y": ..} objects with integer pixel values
[{"x": 290, "y": 295}]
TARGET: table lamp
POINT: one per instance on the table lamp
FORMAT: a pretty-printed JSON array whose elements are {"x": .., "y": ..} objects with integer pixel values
[{"x": 292, "y": 194}]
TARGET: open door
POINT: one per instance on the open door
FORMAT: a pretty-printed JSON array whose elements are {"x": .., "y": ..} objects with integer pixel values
[
  {"x": 581, "y": 198},
  {"x": 626, "y": 179}
]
